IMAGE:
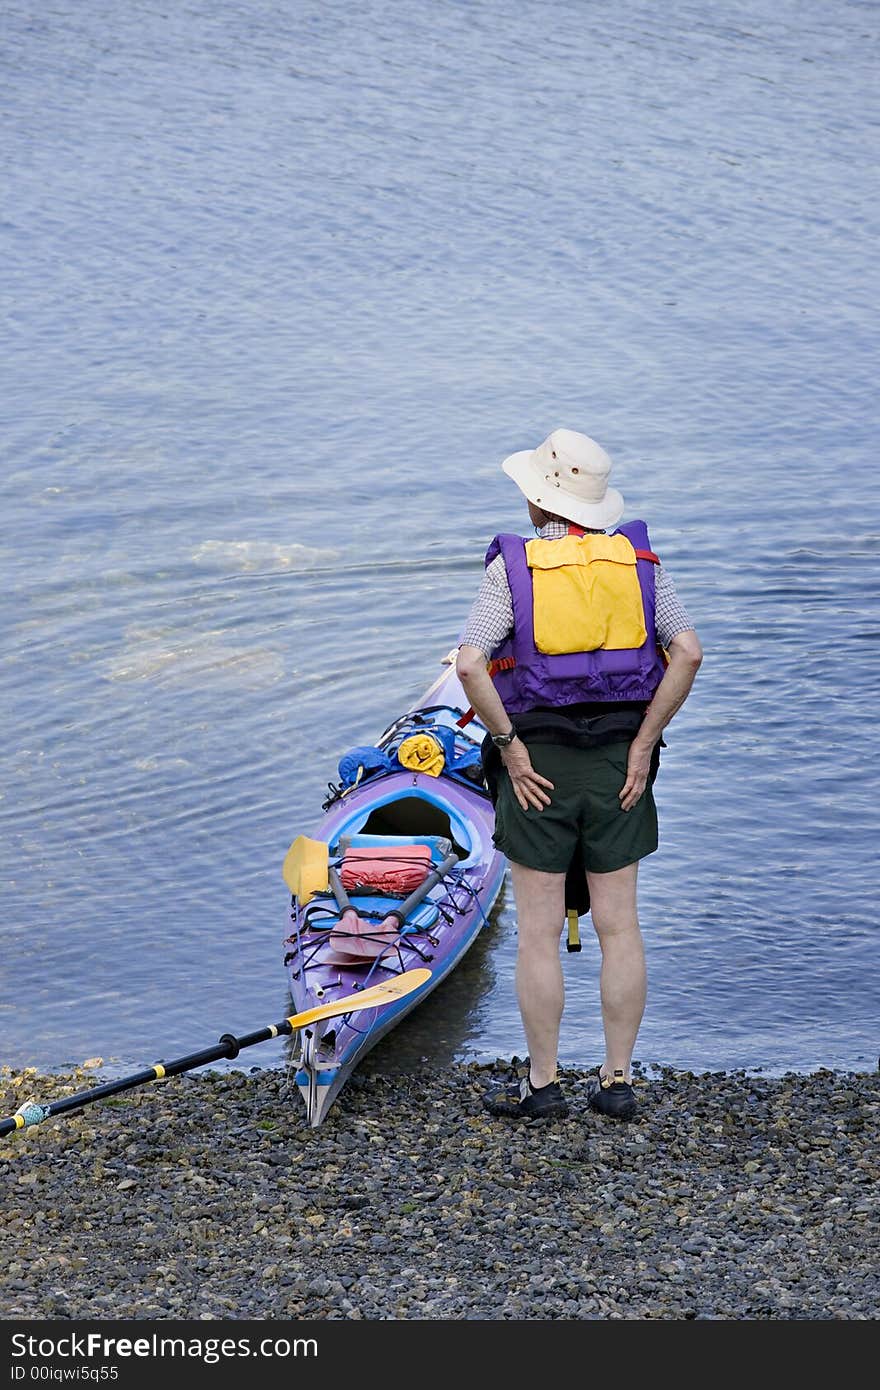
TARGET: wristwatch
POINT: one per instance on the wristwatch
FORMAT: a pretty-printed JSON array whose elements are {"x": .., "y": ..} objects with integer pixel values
[{"x": 504, "y": 740}]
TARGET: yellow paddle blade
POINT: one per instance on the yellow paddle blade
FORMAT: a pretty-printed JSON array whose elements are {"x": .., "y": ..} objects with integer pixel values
[
  {"x": 306, "y": 868},
  {"x": 365, "y": 998}
]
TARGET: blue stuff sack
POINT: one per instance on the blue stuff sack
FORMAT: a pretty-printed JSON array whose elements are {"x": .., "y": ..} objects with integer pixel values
[{"x": 362, "y": 762}]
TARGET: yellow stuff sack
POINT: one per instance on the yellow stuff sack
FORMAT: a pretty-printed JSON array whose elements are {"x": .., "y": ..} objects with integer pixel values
[{"x": 586, "y": 594}]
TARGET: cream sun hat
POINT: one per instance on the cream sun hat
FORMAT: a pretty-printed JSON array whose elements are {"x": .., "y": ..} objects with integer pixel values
[{"x": 568, "y": 475}]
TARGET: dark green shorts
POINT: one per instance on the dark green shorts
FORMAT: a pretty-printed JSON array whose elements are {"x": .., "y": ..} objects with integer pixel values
[{"x": 584, "y": 807}]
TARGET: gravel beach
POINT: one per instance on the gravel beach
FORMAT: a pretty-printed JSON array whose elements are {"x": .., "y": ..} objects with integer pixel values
[{"x": 206, "y": 1197}]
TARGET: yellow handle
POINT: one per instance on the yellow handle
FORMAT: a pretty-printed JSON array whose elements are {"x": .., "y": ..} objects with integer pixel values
[{"x": 574, "y": 936}]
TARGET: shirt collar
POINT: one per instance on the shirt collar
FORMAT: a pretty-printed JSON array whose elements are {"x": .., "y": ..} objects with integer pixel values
[{"x": 555, "y": 530}]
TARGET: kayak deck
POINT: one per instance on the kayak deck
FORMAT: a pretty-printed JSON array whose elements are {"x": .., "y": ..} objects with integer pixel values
[{"x": 339, "y": 942}]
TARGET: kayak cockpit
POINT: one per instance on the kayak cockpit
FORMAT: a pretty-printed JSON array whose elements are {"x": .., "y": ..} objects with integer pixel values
[{"x": 416, "y": 813}]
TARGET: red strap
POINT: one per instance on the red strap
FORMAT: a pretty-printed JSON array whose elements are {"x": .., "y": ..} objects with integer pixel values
[
  {"x": 640, "y": 554},
  {"x": 504, "y": 663}
]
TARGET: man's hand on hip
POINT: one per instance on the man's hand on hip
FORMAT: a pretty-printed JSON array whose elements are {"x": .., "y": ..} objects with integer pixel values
[
  {"x": 528, "y": 785},
  {"x": 638, "y": 767}
]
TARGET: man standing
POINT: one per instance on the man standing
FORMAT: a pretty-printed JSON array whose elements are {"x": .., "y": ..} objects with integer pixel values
[{"x": 575, "y": 656}]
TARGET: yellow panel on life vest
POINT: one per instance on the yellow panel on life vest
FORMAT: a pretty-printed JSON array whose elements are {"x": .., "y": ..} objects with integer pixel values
[{"x": 586, "y": 594}]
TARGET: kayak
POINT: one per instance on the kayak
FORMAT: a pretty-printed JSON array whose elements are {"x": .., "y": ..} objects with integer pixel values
[{"x": 400, "y": 873}]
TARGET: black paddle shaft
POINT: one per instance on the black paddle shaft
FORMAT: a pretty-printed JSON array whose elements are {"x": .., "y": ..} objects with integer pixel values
[{"x": 228, "y": 1046}]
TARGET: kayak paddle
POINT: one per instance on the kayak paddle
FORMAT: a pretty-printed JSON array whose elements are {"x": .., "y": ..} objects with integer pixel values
[
  {"x": 306, "y": 868},
  {"x": 360, "y": 940},
  {"x": 228, "y": 1046}
]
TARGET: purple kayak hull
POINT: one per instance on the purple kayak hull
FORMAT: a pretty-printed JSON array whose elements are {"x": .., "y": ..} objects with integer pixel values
[{"x": 452, "y": 813}]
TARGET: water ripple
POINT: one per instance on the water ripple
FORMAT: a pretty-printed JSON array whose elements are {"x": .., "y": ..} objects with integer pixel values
[{"x": 282, "y": 289}]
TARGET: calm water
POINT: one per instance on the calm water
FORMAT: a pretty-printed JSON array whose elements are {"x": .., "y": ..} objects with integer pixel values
[{"x": 282, "y": 285}]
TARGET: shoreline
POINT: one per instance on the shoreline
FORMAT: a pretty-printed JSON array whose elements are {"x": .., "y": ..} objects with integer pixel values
[{"x": 730, "y": 1196}]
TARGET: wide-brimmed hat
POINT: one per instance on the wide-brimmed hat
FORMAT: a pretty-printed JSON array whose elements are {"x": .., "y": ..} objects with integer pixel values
[{"x": 568, "y": 475}]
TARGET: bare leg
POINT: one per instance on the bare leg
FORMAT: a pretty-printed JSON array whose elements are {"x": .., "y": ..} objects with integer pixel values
[
  {"x": 540, "y": 912},
  {"x": 623, "y": 978}
]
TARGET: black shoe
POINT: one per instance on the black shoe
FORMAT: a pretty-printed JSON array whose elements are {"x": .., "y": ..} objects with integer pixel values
[
  {"x": 613, "y": 1097},
  {"x": 517, "y": 1101}
]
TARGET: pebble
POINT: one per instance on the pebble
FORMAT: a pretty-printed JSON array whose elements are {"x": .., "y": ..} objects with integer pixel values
[{"x": 206, "y": 1196}]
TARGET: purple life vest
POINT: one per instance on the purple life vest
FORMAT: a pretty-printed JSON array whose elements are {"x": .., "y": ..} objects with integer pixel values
[{"x": 530, "y": 678}]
